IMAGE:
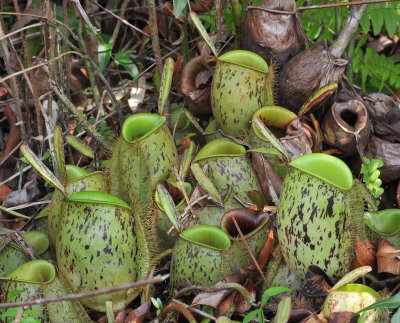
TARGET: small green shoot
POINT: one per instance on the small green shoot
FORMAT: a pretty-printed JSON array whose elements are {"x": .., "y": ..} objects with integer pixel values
[
  {"x": 44, "y": 157},
  {"x": 369, "y": 169},
  {"x": 272, "y": 291},
  {"x": 157, "y": 304}
]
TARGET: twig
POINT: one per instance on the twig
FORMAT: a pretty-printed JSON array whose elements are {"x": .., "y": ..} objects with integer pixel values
[
  {"x": 119, "y": 22},
  {"x": 154, "y": 35},
  {"x": 17, "y": 214},
  {"x": 38, "y": 65},
  {"x": 97, "y": 292},
  {"x": 84, "y": 16},
  {"x": 15, "y": 175},
  {"x": 81, "y": 119},
  {"x": 178, "y": 177},
  {"x": 120, "y": 19},
  {"x": 194, "y": 310},
  {"x": 10, "y": 153},
  {"x": 353, "y": 20},
  {"x": 6, "y": 57},
  {"x": 177, "y": 307},
  {"x": 250, "y": 252}
]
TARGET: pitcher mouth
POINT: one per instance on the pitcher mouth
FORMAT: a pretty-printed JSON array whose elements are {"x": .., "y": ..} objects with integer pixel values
[
  {"x": 249, "y": 222},
  {"x": 207, "y": 236},
  {"x": 327, "y": 168},
  {"x": 141, "y": 125},
  {"x": 245, "y": 59},
  {"x": 221, "y": 147},
  {"x": 34, "y": 272}
]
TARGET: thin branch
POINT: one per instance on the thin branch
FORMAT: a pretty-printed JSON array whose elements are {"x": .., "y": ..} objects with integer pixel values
[
  {"x": 157, "y": 279},
  {"x": 352, "y": 23},
  {"x": 81, "y": 119},
  {"x": 250, "y": 252},
  {"x": 39, "y": 65},
  {"x": 154, "y": 35}
]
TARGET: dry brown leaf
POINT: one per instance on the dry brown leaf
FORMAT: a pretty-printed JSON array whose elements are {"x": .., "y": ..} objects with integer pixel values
[
  {"x": 241, "y": 305},
  {"x": 212, "y": 299},
  {"x": 4, "y": 191},
  {"x": 387, "y": 260},
  {"x": 225, "y": 305},
  {"x": 265, "y": 252},
  {"x": 365, "y": 254},
  {"x": 138, "y": 314}
]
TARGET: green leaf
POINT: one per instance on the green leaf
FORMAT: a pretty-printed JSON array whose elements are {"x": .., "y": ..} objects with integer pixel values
[
  {"x": 59, "y": 152},
  {"x": 41, "y": 168},
  {"x": 268, "y": 151},
  {"x": 179, "y": 5},
  {"x": 13, "y": 294},
  {"x": 123, "y": 58},
  {"x": 269, "y": 136},
  {"x": 166, "y": 81},
  {"x": 186, "y": 160},
  {"x": 272, "y": 291},
  {"x": 396, "y": 317},
  {"x": 79, "y": 146},
  {"x": 365, "y": 23},
  {"x": 29, "y": 320},
  {"x": 391, "y": 302},
  {"x": 250, "y": 316},
  {"x": 391, "y": 20},
  {"x": 11, "y": 312},
  {"x": 203, "y": 32},
  {"x": 376, "y": 17},
  {"x": 155, "y": 303},
  {"x": 104, "y": 55},
  {"x": 168, "y": 205},
  {"x": 205, "y": 182}
]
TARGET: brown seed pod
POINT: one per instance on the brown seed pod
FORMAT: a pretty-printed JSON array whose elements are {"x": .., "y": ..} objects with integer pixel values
[
  {"x": 342, "y": 122},
  {"x": 306, "y": 73},
  {"x": 274, "y": 34}
]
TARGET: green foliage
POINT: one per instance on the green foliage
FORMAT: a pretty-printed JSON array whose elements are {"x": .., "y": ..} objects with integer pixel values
[
  {"x": 8, "y": 315},
  {"x": 319, "y": 23},
  {"x": 382, "y": 16},
  {"x": 391, "y": 302},
  {"x": 377, "y": 71},
  {"x": 44, "y": 157},
  {"x": 157, "y": 304},
  {"x": 179, "y": 6},
  {"x": 104, "y": 129},
  {"x": 370, "y": 172},
  {"x": 272, "y": 291},
  {"x": 121, "y": 58}
]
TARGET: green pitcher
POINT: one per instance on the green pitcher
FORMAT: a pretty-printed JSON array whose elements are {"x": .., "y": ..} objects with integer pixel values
[
  {"x": 101, "y": 244},
  {"x": 229, "y": 166},
  {"x": 202, "y": 255},
  {"x": 242, "y": 83},
  {"x": 38, "y": 279},
  {"x": 142, "y": 157},
  {"x": 320, "y": 212}
]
